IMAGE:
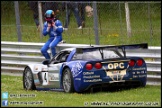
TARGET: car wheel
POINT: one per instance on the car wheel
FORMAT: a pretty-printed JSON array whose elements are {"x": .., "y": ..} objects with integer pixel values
[
  {"x": 68, "y": 85},
  {"x": 28, "y": 80}
]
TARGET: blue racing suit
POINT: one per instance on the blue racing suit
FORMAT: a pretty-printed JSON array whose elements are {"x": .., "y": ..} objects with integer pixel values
[{"x": 55, "y": 36}]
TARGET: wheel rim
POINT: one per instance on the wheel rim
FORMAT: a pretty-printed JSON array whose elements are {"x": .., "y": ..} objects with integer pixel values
[
  {"x": 66, "y": 82},
  {"x": 28, "y": 79}
]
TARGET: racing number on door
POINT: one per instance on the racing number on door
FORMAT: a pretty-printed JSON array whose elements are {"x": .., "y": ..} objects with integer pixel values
[{"x": 45, "y": 78}]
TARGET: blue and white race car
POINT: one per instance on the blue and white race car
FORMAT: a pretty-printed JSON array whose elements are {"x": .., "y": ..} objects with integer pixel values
[{"x": 81, "y": 69}]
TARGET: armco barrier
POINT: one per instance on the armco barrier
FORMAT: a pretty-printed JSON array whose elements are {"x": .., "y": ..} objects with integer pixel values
[{"x": 16, "y": 55}]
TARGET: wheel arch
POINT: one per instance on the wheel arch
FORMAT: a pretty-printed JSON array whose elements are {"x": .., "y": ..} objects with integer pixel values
[
  {"x": 61, "y": 75},
  {"x": 28, "y": 66},
  {"x": 33, "y": 86}
]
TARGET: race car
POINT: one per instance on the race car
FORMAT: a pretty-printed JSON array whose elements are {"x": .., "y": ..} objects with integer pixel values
[{"x": 82, "y": 68}]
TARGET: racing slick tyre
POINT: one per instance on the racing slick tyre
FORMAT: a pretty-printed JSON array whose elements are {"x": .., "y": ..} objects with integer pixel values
[
  {"x": 67, "y": 82},
  {"x": 28, "y": 80}
]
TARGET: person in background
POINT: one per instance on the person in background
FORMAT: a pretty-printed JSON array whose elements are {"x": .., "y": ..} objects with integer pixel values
[
  {"x": 34, "y": 7},
  {"x": 89, "y": 10},
  {"x": 45, "y": 6},
  {"x": 81, "y": 7},
  {"x": 83, "y": 10},
  {"x": 72, "y": 6},
  {"x": 53, "y": 28}
]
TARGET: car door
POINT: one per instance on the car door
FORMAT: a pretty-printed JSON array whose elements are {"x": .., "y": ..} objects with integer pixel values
[{"x": 54, "y": 69}]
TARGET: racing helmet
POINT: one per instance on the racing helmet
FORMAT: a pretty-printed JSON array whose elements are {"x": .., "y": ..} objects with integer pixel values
[{"x": 49, "y": 15}]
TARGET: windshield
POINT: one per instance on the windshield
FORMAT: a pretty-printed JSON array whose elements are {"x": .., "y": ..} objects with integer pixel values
[{"x": 97, "y": 54}]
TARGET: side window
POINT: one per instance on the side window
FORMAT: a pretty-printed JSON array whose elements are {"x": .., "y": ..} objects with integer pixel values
[
  {"x": 77, "y": 56},
  {"x": 58, "y": 58},
  {"x": 64, "y": 57},
  {"x": 61, "y": 57}
]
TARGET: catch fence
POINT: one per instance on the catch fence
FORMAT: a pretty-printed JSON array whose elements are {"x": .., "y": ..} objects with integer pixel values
[{"x": 112, "y": 22}]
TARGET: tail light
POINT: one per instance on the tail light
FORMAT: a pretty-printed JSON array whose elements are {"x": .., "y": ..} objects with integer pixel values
[
  {"x": 98, "y": 65},
  {"x": 131, "y": 63},
  {"x": 89, "y": 66},
  {"x": 139, "y": 62}
]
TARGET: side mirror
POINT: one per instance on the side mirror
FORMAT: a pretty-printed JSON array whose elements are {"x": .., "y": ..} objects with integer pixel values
[{"x": 46, "y": 62}]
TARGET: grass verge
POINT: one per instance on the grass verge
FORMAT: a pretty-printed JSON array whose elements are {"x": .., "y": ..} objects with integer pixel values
[{"x": 147, "y": 96}]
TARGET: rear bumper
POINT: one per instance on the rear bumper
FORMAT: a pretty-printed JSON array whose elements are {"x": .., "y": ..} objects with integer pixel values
[
  {"x": 95, "y": 79},
  {"x": 117, "y": 84},
  {"x": 83, "y": 86}
]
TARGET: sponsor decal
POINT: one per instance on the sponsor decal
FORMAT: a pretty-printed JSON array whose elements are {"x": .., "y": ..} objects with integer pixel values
[
  {"x": 53, "y": 77},
  {"x": 91, "y": 76},
  {"x": 93, "y": 80},
  {"x": 77, "y": 78},
  {"x": 139, "y": 72},
  {"x": 140, "y": 76},
  {"x": 142, "y": 72},
  {"x": 76, "y": 69},
  {"x": 118, "y": 74},
  {"x": 135, "y": 76},
  {"x": 115, "y": 65},
  {"x": 143, "y": 68},
  {"x": 88, "y": 73}
]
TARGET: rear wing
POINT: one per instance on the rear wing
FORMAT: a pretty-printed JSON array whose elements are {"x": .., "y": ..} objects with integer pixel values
[{"x": 113, "y": 47}]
